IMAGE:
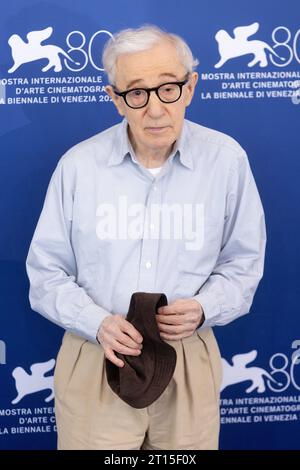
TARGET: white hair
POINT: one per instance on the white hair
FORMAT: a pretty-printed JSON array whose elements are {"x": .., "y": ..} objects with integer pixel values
[{"x": 129, "y": 41}]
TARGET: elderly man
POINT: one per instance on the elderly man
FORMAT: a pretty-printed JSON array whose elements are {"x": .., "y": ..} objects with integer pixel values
[{"x": 153, "y": 204}]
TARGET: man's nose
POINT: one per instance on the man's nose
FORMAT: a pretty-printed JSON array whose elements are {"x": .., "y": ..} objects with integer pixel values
[{"x": 155, "y": 107}]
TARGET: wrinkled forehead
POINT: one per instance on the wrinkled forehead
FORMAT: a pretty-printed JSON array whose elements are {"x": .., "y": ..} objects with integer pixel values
[{"x": 149, "y": 66}]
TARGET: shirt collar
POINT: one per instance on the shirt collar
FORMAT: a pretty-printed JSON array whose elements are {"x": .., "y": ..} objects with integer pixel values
[{"x": 123, "y": 147}]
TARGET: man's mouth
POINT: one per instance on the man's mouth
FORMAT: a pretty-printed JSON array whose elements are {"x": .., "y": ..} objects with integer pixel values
[{"x": 156, "y": 129}]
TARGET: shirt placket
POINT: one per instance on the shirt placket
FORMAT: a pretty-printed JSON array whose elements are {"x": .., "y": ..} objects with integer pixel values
[{"x": 150, "y": 241}]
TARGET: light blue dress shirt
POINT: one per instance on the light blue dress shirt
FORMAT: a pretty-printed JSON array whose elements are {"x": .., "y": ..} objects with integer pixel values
[{"x": 99, "y": 239}]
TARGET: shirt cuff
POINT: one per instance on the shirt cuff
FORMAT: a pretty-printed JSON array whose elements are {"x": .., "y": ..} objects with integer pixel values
[
  {"x": 211, "y": 308},
  {"x": 89, "y": 321}
]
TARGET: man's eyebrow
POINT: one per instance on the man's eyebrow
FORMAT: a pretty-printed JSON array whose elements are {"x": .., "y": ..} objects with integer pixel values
[
  {"x": 171, "y": 75},
  {"x": 139, "y": 80},
  {"x": 133, "y": 83}
]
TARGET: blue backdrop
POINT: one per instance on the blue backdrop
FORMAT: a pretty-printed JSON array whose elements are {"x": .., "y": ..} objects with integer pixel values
[{"x": 43, "y": 113}]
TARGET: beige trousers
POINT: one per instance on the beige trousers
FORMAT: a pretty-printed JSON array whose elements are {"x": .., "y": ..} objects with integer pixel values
[{"x": 90, "y": 416}]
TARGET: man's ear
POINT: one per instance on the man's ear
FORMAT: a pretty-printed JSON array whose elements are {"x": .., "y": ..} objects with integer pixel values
[
  {"x": 190, "y": 86},
  {"x": 116, "y": 99}
]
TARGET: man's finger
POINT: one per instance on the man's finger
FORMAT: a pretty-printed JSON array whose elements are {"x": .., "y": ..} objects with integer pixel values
[
  {"x": 167, "y": 310},
  {"x": 109, "y": 353},
  {"x": 175, "y": 329},
  {"x": 127, "y": 341},
  {"x": 175, "y": 337},
  {"x": 132, "y": 332},
  {"x": 169, "y": 319},
  {"x": 172, "y": 309},
  {"x": 120, "y": 348}
]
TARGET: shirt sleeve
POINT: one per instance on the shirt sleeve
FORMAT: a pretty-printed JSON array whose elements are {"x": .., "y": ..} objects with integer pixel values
[
  {"x": 51, "y": 264},
  {"x": 228, "y": 292}
]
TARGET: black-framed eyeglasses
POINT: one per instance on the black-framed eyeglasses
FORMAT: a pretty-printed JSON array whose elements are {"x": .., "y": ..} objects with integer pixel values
[{"x": 167, "y": 93}]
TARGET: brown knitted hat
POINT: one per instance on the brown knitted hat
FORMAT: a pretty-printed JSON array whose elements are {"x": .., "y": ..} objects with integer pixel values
[{"x": 143, "y": 378}]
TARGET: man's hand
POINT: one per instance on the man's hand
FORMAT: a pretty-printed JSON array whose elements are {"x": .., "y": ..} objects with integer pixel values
[
  {"x": 117, "y": 334},
  {"x": 179, "y": 319}
]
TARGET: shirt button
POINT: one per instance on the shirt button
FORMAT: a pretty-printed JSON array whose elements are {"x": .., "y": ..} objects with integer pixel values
[
  {"x": 151, "y": 226},
  {"x": 155, "y": 188},
  {"x": 148, "y": 265}
]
